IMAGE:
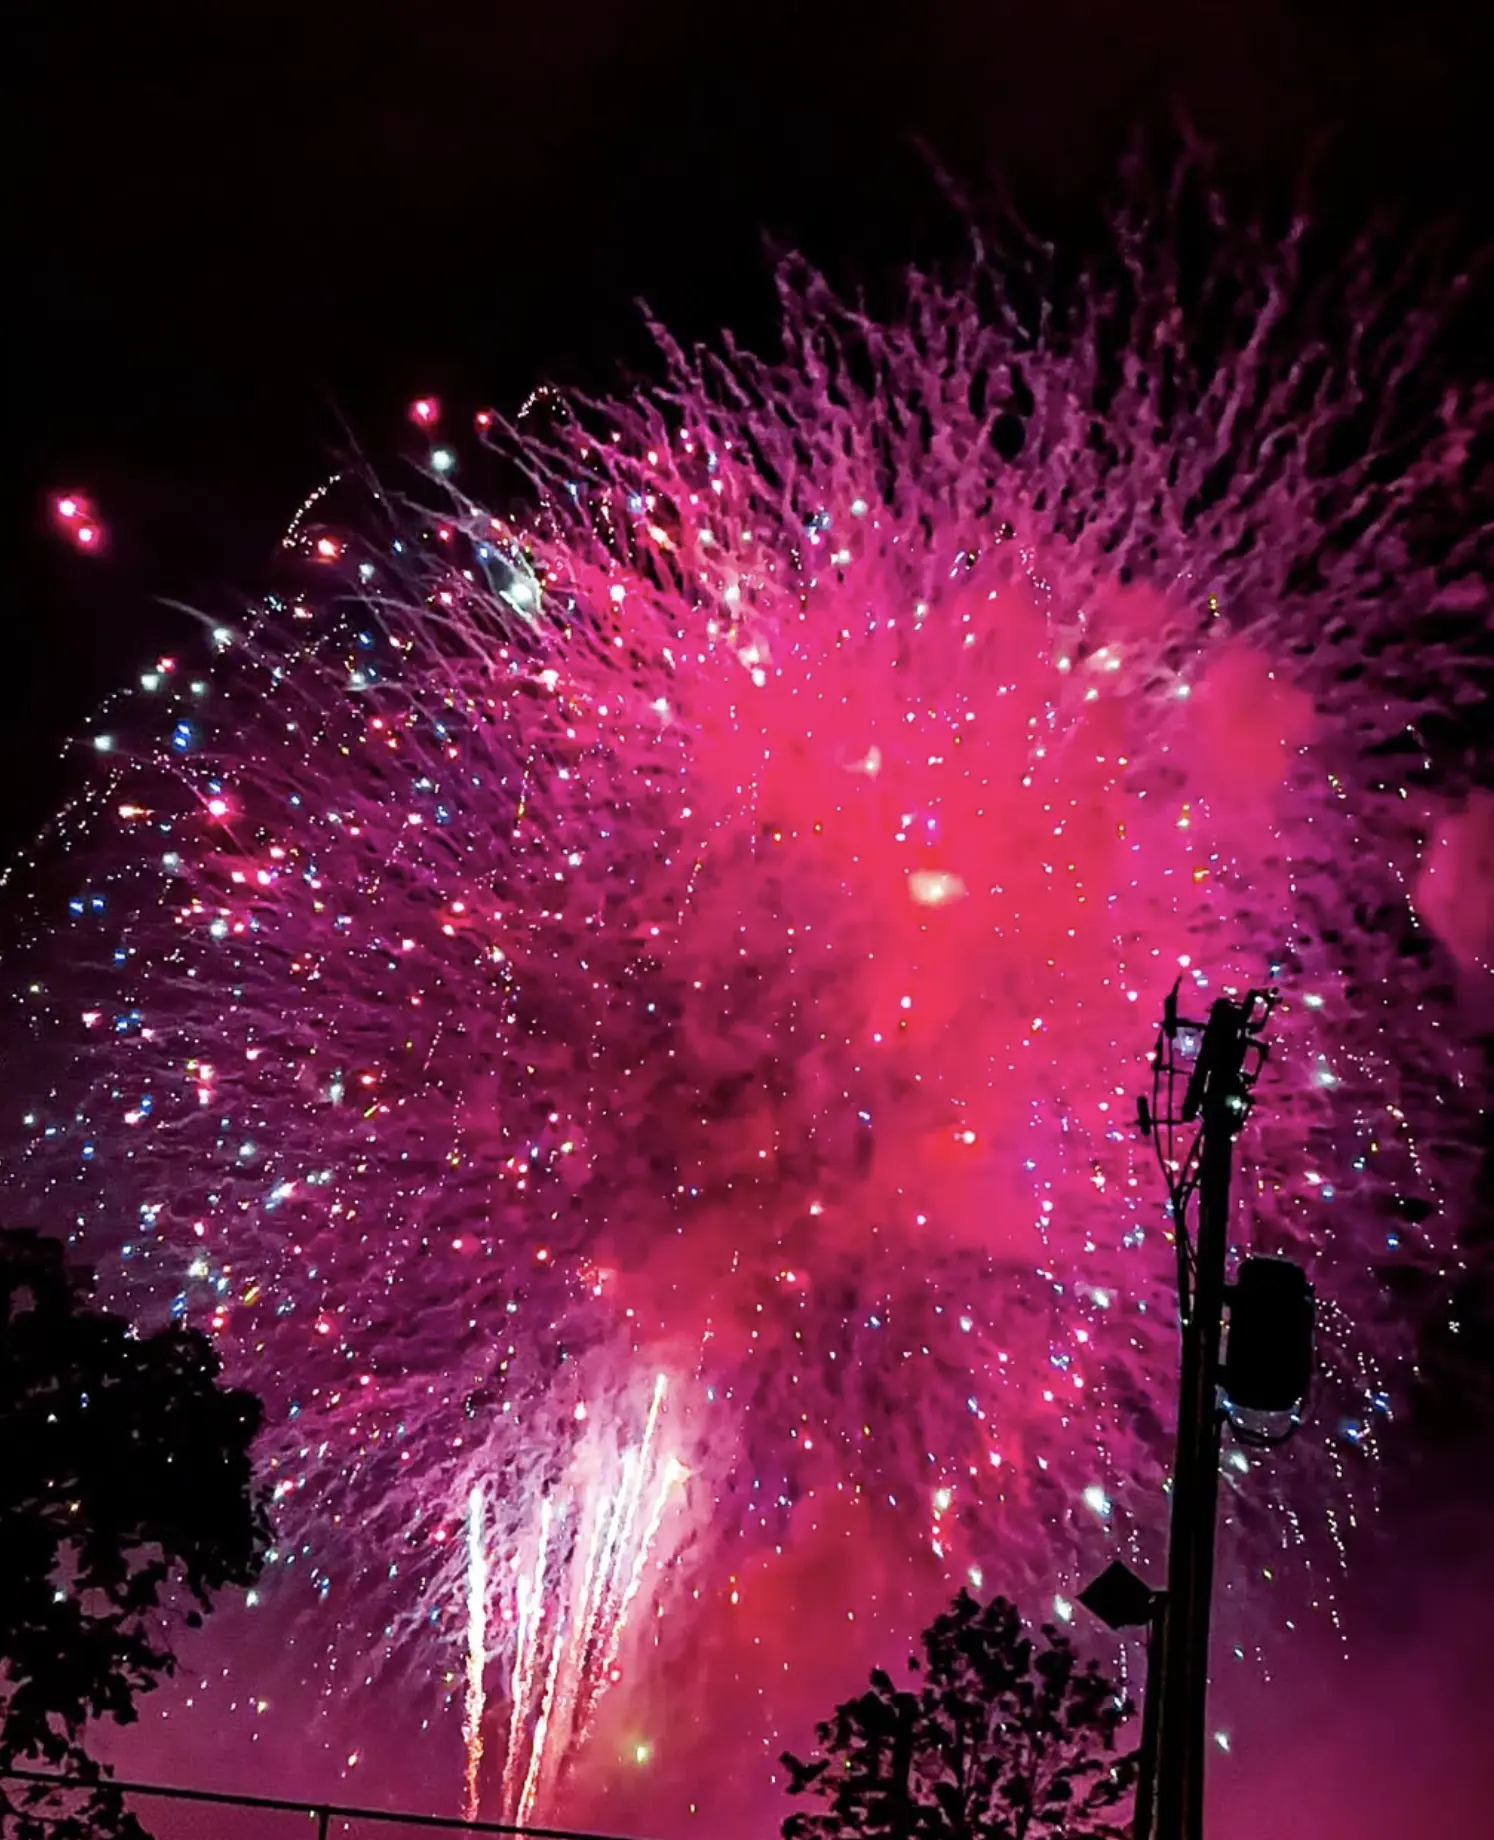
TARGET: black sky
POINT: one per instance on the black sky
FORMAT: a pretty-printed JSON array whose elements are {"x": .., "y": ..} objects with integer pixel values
[{"x": 247, "y": 228}]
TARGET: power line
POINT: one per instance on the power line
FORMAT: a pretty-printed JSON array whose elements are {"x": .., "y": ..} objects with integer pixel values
[{"x": 324, "y": 1812}]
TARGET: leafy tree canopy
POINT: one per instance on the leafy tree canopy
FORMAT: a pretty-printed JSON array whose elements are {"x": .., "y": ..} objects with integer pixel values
[
  {"x": 127, "y": 1502},
  {"x": 996, "y": 1737}
]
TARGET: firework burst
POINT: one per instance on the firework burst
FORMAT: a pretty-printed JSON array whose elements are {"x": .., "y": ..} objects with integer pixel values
[{"x": 713, "y": 921}]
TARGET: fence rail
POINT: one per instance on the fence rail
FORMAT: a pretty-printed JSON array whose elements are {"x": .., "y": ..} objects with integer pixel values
[{"x": 323, "y": 1813}]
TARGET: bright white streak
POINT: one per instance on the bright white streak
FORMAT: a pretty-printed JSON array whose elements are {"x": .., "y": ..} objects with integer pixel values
[
  {"x": 607, "y": 1572},
  {"x": 529, "y": 1623},
  {"x": 541, "y": 1732},
  {"x": 606, "y": 1527},
  {"x": 477, "y": 1651},
  {"x": 674, "y": 1474},
  {"x": 618, "y": 1606}
]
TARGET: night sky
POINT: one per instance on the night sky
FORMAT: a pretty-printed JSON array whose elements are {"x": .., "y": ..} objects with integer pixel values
[{"x": 250, "y": 235}]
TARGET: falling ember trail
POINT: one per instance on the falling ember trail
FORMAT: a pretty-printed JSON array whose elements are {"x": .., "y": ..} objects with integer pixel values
[
  {"x": 528, "y": 1611},
  {"x": 615, "y": 1502},
  {"x": 477, "y": 1653}
]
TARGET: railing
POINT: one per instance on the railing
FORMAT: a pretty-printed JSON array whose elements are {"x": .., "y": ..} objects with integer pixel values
[{"x": 333, "y": 1821}]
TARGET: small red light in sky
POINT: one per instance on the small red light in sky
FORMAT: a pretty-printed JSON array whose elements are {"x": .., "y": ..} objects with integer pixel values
[
  {"x": 328, "y": 548},
  {"x": 218, "y": 807},
  {"x": 76, "y": 516},
  {"x": 484, "y": 419},
  {"x": 425, "y": 411}
]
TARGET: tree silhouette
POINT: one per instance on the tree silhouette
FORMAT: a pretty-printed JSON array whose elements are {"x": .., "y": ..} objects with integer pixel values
[
  {"x": 996, "y": 1738},
  {"x": 126, "y": 1503}
]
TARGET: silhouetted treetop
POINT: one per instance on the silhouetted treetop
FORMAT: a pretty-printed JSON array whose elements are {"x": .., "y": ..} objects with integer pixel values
[
  {"x": 996, "y": 1737},
  {"x": 127, "y": 1502}
]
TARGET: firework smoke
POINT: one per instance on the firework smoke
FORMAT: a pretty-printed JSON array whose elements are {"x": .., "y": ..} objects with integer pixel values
[{"x": 714, "y": 922}]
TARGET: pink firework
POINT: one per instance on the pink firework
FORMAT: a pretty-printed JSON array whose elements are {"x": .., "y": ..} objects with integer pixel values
[{"x": 712, "y": 920}]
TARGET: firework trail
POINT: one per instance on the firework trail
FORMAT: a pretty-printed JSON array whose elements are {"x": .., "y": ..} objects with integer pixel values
[
  {"x": 713, "y": 921},
  {"x": 477, "y": 1652},
  {"x": 617, "y": 1505},
  {"x": 528, "y": 1598}
]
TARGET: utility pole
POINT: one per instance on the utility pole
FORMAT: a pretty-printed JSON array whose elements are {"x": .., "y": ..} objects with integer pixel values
[
  {"x": 1259, "y": 1387},
  {"x": 1218, "y": 1100}
]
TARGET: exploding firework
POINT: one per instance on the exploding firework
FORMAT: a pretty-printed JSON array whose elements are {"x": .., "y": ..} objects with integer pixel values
[{"x": 712, "y": 922}]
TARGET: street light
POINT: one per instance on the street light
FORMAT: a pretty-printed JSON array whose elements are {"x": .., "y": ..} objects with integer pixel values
[{"x": 1121, "y": 1600}]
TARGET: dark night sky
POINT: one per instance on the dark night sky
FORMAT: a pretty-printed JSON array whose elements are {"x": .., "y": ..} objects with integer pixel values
[{"x": 247, "y": 229}]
